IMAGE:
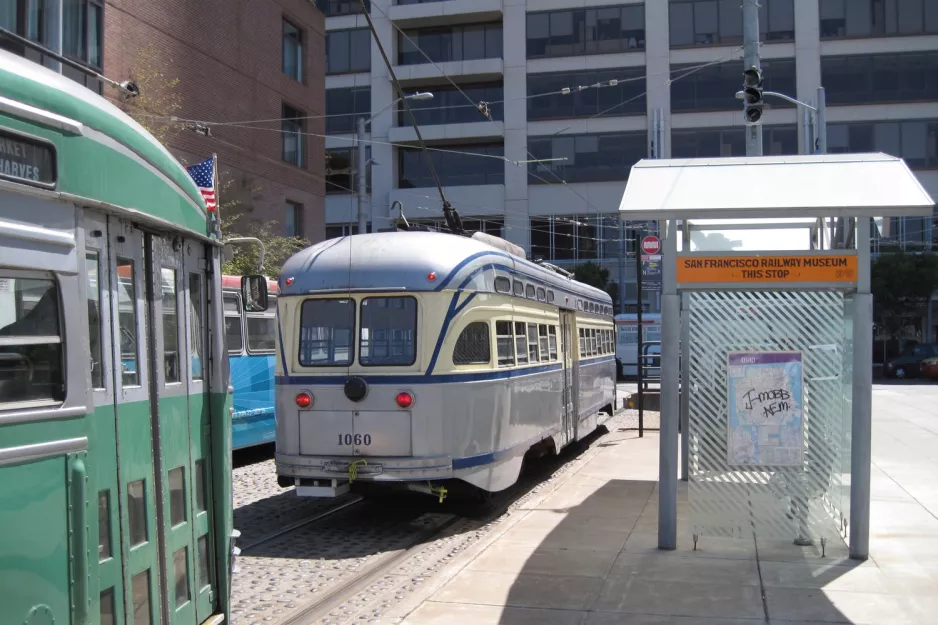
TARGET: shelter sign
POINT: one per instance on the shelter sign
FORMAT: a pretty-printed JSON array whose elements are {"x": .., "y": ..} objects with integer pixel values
[
  {"x": 775, "y": 269},
  {"x": 766, "y": 418}
]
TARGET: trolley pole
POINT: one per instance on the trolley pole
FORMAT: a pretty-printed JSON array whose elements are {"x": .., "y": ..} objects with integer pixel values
[
  {"x": 362, "y": 163},
  {"x": 751, "y": 59}
]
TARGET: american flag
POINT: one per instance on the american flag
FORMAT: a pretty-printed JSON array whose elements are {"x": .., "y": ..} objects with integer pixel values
[{"x": 204, "y": 175}]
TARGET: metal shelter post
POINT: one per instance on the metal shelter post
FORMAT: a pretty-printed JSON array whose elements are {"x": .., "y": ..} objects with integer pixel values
[
  {"x": 685, "y": 379},
  {"x": 862, "y": 409},
  {"x": 670, "y": 395}
]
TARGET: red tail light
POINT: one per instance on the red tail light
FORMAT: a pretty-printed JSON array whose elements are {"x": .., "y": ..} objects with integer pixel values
[
  {"x": 405, "y": 399},
  {"x": 304, "y": 400}
]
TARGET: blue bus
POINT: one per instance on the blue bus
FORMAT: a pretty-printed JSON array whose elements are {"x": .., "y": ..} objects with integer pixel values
[{"x": 251, "y": 339}]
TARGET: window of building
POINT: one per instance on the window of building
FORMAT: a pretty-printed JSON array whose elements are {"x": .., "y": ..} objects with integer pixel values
[
  {"x": 31, "y": 367},
  {"x": 473, "y": 346},
  {"x": 451, "y": 106},
  {"x": 327, "y": 327},
  {"x": 348, "y": 51},
  {"x": 873, "y": 79},
  {"x": 464, "y": 165},
  {"x": 388, "y": 334},
  {"x": 292, "y": 134},
  {"x": 345, "y": 106},
  {"x": 335, "y": 231},
  {"x": 504, "y": 344},
  {"x": 716, "y": 142},
  {"x": 577, "y": 237},
  {"x": 293, "y": 222},
  {"x": 589, "y": 158},
  {"x": 292, "y": 51},
  {"x": 450, "y": 43},
  {"x": 573, "y": 32},
  {"x": 720, "y": 22},
  {"x": 488, "y": 225},
  {"x": 340, "y": 176},
  {"x": 877, "y": 18},
  {"x": 626, "y": 98},
  {"x": 914, "y": 141},
  {"x": 82, "y": 31},
  {"x": 714, "y": 88},
  {"x": 331, "y": 8}
]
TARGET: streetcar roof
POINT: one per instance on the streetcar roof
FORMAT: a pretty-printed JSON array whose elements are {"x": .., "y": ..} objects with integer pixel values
[
  {"x": 104, "y": 155},
  {"x": 404, "y": 261}
]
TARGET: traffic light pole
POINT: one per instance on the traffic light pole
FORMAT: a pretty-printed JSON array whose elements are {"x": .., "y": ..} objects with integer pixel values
[{"x": 750, "y": 60}]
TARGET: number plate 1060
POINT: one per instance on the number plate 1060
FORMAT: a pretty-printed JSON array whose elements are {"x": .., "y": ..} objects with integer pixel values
[{"x": 354, "y": 439}]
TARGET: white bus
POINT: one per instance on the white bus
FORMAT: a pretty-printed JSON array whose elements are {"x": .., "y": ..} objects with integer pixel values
[{"x": 627, "y": 341}]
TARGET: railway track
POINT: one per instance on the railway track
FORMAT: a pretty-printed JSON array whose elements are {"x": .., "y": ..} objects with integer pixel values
[{"x": 350, "y": 561}]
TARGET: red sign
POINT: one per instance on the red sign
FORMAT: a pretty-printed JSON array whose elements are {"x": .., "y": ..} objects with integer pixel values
[{"x": 651, "y": 245}]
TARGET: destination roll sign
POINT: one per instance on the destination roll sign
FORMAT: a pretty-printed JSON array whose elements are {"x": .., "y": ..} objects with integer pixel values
[
  {"x": 788, "y": 268},
  {"x": 26, "y": 160}
]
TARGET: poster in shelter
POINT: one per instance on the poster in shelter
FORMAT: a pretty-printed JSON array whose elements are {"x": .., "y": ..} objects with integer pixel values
[{"x": 766, "y": 409}]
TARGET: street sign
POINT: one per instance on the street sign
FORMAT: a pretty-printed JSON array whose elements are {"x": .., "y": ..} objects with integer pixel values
[
  {"x": 651, "y": 272},
  {"x": 833, "y": 267},
  {"x": 651, "y": 245}
]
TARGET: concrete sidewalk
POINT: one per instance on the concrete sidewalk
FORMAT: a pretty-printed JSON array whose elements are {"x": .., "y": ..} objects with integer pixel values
[{"x": 585, "y": 553}]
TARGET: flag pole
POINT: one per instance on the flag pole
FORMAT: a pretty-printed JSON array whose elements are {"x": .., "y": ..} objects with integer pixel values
[{"x": 217, "y": 198}]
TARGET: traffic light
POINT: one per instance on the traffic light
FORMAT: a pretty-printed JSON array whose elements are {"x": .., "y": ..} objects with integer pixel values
[{"x": 752, "y": 94}]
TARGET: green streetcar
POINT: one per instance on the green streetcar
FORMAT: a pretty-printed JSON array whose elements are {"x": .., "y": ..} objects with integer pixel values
[{"x": 115, "y": 422}]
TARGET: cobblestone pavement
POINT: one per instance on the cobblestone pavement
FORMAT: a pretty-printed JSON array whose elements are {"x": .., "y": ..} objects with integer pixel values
[{"x": 362, "y": 562}]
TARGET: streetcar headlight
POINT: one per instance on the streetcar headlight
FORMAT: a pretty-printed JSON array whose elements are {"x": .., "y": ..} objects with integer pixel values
[
  {"x": 304, "y": 400},
  {"x": 404, "y": 399}
]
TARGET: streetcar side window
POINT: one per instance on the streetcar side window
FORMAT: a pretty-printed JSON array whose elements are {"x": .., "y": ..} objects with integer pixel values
[
  {"x": 550, "y": 297},
  {"x": 582, "y": 343},
  {"x": 31, "y": 367},
  {"x": 473, "y": 346},
  {"x": 262, "y": 329},
  {"x": 521, "y": 350},
  {"x": 552, "y": 335},
  {"x": 127, "y": 322},
  {"x": 388, "y": 335},
  {"x": 96, "y": 349},
  {"x": 519, "y": 288},
  {"x": 541, "y": 294},
  {"x": 195, "y": 325},
  {"x": 504, "y": 344},
  {"x": 327, "y": 327},
  {"x": 542, "y": 342},
  {"x": 532, "y": 342},
  {"x": 234, "y": 340},
  {"x": 170, "y": 325},
  {"x": 529, "y": 291},
  {"x": 502, "y": 284}
]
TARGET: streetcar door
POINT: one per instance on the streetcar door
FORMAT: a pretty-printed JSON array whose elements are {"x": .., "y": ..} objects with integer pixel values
[
  {"x": 139, "y": 486},
  {"x": 568, "y": 349},
  {"x": 175, "y": 442},
  {"x": 201, "y": 573}
]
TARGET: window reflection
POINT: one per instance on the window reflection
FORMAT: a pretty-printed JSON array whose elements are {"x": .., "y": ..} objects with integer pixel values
[
  {"x": 450, "y": 43},
  {"x": 720, "y": 22},
  {"x": 870, "y": 79},
  {"x": 572, "y": 32},
  {"x": 460, "y": 167},
  {"x": 717, "y": 142},
  {"x": 348, "y": 104},
  {"x": 589, "y": 158},
  {"x": 451, "y": 106},
  {"x": 877, "y": 18},
  {"x": 348, "y": 51}
]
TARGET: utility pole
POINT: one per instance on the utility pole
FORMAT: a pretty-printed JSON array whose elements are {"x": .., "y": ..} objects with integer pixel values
[
  {"x": 362, "y": 163},
  {"x": 751, "y": 60}
]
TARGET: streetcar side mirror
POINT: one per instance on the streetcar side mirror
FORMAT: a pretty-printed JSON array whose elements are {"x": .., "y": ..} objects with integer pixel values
[{"x": 254, "y": 293}]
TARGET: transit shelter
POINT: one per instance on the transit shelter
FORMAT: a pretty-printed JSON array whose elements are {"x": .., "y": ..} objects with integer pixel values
[{"x": 767, "y": 336}]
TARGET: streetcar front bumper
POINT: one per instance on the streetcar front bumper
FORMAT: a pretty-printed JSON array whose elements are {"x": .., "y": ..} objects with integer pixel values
[{"x": 304, "y": 470}]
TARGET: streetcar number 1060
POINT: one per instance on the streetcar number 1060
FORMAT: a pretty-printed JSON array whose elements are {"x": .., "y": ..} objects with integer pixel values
[{"x": 354, "y": 439}]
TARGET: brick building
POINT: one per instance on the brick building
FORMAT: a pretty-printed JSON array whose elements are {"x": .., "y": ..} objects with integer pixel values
[{"x": 217, "y": 61}]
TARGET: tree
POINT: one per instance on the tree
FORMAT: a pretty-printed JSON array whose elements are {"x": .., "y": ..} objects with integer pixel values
[
  {"x": 902, "y": 285},
  {"x": 592, "y": 274},
  {"x": 235, "y": 211},
  {"x": 158, "y": 98}
]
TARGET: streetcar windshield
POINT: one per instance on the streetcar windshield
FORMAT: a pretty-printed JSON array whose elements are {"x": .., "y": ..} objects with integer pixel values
[
  {"x": 389, "y": 328},
  {"x": 326, "y": 330}
]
